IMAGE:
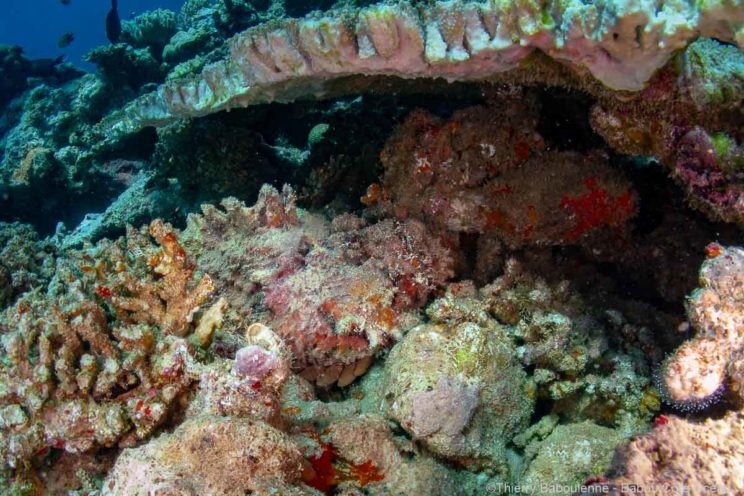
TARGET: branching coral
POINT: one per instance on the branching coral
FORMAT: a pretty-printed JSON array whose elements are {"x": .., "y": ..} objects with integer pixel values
[
  {"x": 702, "y": 366},
  {"x": 150, "y": 29},
  {"x": 486, "y": 170},
  {"x": 101, "y": 359}
]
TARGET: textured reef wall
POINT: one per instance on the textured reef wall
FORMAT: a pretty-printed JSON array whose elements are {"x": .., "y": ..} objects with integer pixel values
[
  {"x": 476, "y": 272},
  {"x": 133, "y": 335}
]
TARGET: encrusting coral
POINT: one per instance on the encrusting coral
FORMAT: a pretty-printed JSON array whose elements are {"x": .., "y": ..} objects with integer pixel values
[
  {"x": 211, "y": 455},
  {"x": 455, "y": 385},
  {"x": 592, "y": 365},
  {"x": 689, "y": 118},
  {"x": 704, "y": 366},
  {"x": 569, "y": 456}
]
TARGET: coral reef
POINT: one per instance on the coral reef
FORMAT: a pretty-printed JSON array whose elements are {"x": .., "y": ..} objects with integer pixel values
[
  {"x": 591, "y": 365},
  {"x": 328, "y": 290},
  {"x": 211, "y": 455},
  {"x": 72, "y": 378},
  {"x": 152, "y": 29},
  {"x": 569, "y": 456},
  {"x": 501, "y": 310},
  {"x": 682, "y": 456},
  {"x": 704, "y": 365},
  {"x": 368, "y": 457},
  {"x": 20, "y": 73},
  {"x": 124, "y": 66},
  {"x": 25, "y": 261},
  {"x": 689, "y": 117},
  {"x": 53, "y": 166},
  {"x": 486, "y": 170},
  {"x": 455, "y": 40},
  {"x": 454, "y": 384},
  {"x": 135, "y": 205}
]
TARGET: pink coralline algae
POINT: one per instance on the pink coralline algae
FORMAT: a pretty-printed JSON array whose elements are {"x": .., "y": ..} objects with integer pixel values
[
  {"x": 689, "y": 119},
  {"x": 701, "y": 168},
  {"x": 681, "y": 457}
]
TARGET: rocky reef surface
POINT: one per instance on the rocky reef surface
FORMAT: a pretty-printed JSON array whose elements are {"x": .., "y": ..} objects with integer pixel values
[{"x": 433, "y": 248}]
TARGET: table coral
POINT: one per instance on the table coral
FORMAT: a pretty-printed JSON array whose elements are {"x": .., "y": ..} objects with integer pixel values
[
  {"x": 486, "y": 170},
  {"x": 621, "y": 44},
  {"x": 704, "y": 365}
]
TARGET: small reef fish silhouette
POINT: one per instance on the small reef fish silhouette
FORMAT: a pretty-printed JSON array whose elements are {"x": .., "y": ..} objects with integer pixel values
[
  {"x": 65, "y": 40},
  {"x": 113, "y": 23}
]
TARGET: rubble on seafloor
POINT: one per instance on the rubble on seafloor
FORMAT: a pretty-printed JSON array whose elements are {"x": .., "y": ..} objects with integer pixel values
[{"x": 528, "y": 277}]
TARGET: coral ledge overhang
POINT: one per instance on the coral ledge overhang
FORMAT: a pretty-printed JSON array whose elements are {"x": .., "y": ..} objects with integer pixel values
[{"x": 621, "y": 44}]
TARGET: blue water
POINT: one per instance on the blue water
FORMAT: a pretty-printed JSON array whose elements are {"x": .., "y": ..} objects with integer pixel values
[{"x": 37, "y": 25}]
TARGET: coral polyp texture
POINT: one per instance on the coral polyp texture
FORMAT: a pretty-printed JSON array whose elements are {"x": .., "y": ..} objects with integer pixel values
[
  {"x": 712, "y": 360},
  {"x": 620, "y": 44},
  {"x": 486, "y": 170}
]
